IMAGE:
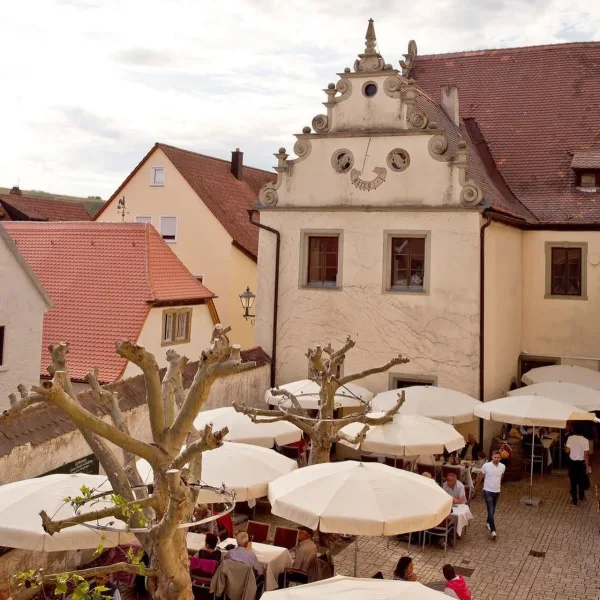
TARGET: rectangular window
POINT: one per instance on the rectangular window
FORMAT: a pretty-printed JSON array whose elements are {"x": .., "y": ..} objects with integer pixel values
[
  {"x": 566, "y": 270},
  {"x": 322, "y": 267},
  {"x": 176, "y": 327},
  {"x": 157, "y": 177},
  {"x": 400, "y": 384},
  {"x": 1, "y": 345},
  {"x": 168, "y": 229},
  {"x": 407, "y": 263},
  {"x": 588, "y": 179},
  {"x": 143, "y": 219}
]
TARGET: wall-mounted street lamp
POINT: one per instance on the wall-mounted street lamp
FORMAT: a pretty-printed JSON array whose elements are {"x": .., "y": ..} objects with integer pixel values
[{"x": 247, "y": 299}]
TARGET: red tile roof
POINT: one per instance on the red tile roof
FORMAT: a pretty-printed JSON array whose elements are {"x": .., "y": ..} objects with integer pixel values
[
  {"x": 227, "y": 197},
  {"x": 535, "y": 106},
  {"x": 103, "y": 279},
  {"x": 26, "y": 208}
]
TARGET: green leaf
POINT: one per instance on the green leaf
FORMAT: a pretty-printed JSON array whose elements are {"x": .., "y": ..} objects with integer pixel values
[
  {"x": 99, "y": 550},
  {"x": 142, "y": 569}
]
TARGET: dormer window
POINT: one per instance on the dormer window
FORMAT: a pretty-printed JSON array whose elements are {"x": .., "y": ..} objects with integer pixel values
[
  {"x": 587, "y": 169},
  {"x": 157, "y": 177}
]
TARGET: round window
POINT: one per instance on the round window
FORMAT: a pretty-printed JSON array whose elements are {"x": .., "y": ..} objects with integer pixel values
[
  {"x": 370, "y": 89},
  {"x": 398, "y": 160},
  {"x": 342, "y": 161}
]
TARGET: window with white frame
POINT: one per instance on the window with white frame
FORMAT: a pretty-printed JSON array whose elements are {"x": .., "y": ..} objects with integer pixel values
[
  {"x": 176, "y": 327},
  {"x": 157, "y": 176},
  {"x": 143, "y": 219},
  {"x": 168, "y": 229}
]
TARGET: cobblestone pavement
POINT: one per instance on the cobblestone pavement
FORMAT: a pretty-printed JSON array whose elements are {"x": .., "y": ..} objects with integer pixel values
[{"x": 564, "y": 540}]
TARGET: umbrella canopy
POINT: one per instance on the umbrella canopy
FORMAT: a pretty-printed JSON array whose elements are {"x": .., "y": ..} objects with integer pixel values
[
  {"x": 538, "y": 411},
  {"x": 307, "y": 392},
  {"x": 21, "y": 524},
  {"x": 244, "y": 431},
  {"x": 408, "y": 435},
  {"x": 430, "y": 401},
  {"x": 352, "y": 588},
  {"x": 241, "y": 467},
  {"x": 583, "y": 397},
  {"x": 359, "y": 499},
  {"x": 568, "y": 373}
]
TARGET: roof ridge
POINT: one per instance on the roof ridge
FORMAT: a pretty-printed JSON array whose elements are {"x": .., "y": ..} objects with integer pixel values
[
  {"x": 483, "y": 51},
  {"x": 162, "y": 144}
]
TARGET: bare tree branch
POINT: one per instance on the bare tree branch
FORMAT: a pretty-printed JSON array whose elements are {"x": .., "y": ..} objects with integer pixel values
[
  {"x": 399, "y": 360},
  {"x": 293, "y": 399},
  {"x": 273, "y": 415},
  {"x": 315, "y": 362},
  {"x": 389, "y": 415},
  {"x": 209, "y": 440},
  {"x": 51, "y": 527},
  {"x": 147, "y": 363},
  {"x": 359, "y": 438},
  {"x": 17, "y": 406},
  {"x": 350, "y": 343},
  {"x": 84, "y": 419},
  {"x": 172, "y": 385}
]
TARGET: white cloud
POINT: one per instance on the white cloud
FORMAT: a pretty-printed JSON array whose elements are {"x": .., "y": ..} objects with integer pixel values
[{"x": 89, "y": 85}]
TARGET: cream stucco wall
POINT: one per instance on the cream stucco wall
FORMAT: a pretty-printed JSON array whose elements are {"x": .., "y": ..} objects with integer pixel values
[
  {"x": 202, "y": 243},
  {"x": 558, "y": 327},
  {"x": 151, "y": 336},
  {"x": 21, "y": 313},
  {"x": 439, "y": 330}
]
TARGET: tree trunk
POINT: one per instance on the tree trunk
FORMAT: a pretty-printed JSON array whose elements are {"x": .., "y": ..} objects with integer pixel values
[
  {"x": 321, "y": 443},
  {"x": 170, "y": 559}
]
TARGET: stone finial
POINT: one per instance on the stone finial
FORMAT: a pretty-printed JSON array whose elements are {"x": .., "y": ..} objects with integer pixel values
[
  {"x": 409, "y": 58},
  {"x": 370, "y": 61}
]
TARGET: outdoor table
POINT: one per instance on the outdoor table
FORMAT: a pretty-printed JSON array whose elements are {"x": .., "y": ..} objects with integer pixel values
[
  {"x": 462, "y": 515},
  {"x": 275, "y": 559}
]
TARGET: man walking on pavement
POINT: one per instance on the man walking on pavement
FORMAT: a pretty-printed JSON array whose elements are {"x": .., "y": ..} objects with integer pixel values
[
  {"x": 578, "y": 449},
  {"x": 491, "y": 476}
]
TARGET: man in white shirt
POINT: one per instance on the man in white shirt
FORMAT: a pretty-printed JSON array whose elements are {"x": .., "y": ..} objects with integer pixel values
[
  {"x": 491, "y": 474},
  {"x": 578, "y": 449},
  {"x": 455, "y": 488}
]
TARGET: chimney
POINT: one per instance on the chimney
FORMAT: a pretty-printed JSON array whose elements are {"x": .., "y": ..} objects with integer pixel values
[
  {"x": 15, "y": 191},
  {"x": 237, "y": 163},
  {"x": 450, "y": 102}
]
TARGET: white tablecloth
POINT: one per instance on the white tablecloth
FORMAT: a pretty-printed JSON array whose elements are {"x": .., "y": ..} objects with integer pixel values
[
  {"x": 463, "y": 515},
  {"x": 275, "y": 559}
]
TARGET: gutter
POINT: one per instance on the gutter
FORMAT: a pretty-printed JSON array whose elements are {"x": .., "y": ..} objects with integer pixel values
[
  {"x": 487, "y": 223},
  {"x": 275, "y": 291}
]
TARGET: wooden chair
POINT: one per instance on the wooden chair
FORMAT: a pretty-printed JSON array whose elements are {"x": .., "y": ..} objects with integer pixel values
[
  {"x": 258, "y": 532},
  {"x": 391, "y": 461},
  {"x": 442, "y": 531},
  {"x": 426, "y": 469},
  {"x": 286, "y": 537},
  {"x": 538, "y": 457}
]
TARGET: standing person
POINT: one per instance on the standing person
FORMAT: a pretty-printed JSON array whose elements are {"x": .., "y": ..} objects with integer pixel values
[
  {"x": 491, "y": 476},
  {"x": 456, "y": 586},
  {"x": 578, "y": 449}
]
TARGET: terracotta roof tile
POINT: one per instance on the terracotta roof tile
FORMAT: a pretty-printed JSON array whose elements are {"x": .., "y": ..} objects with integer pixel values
[
  {"x": 47, "y": 422},
  {"x": 535, "y": 106},
  {"x": 103, "y": 279},
  {"x": 43, "y": 209}
]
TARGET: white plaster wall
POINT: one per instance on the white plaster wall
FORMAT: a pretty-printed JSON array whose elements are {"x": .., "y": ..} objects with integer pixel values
[
  {"x": 438, "y": 331},
  {"x": 559, "y": 327},
  {"x": 151, "y": 336},
  {"x": 202, "y": 244},
  {"x": 21, "y": 313}
]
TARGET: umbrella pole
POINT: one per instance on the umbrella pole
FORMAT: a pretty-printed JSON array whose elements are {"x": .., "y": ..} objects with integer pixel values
[
  {"x": 531, "y": 501},
  {"x": 355, "y": 555}
]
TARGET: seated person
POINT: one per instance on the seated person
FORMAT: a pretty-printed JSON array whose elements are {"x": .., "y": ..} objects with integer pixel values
[
  {"x": 210, "y": 550},
  {"x": 405, "y": 569},
  {"x": 306, "y": 550},
  {"x": 242, "y": 554},
  {"x": 455, "y": 488},
  {"x": 201, "y": 512},
  {"x": 471, "y": 450},
  {"x": 456, "y": 586}
]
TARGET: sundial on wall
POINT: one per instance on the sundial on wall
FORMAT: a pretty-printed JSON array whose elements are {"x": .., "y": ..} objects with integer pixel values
[
  {"x": 366, "y": 185},
  {"x": 342, "y": 161}
]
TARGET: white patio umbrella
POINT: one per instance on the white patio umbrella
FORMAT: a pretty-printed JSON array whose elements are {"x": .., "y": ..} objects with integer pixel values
[
  {"x": 407, "y": 435},
  {"x": 307, "y": 392},
  {"x": 244, "y": 431},
  {"x": 353, "y": 588},
  {"x": 438, "y": 403},
  {"x": 21, "y": 524},
  {"x": 535, "y": 411},
  {"x": 241, "y": 467},
  {"x": 568, "y": 373},
  {"x": 359, "y": 499},
  {"x": 582, "y": 396}
]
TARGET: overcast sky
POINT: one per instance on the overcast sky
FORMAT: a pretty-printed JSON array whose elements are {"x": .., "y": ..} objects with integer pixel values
[{"x": 87, "y": 86}]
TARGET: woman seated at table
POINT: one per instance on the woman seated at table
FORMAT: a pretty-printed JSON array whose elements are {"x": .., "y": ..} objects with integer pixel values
[
  {"x": 210, "y": 550},
  {"x": 405, "y": 569}
]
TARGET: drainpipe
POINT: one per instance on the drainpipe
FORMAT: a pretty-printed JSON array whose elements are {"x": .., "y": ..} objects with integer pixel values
[
  {"x": 482, "y": 315},
  {"x": 275, "y": 292}
]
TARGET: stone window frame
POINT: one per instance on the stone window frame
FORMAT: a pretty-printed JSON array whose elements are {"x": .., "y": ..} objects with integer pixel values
[
  {"x": 548, "y": 246},
  {"x": 176, "y": 312},
  {"x": 153, "y": 170},
  {"x": 419, "y": 378},
  {"x": 305, "y": 234},
  {"x": 388, "y": 234}
]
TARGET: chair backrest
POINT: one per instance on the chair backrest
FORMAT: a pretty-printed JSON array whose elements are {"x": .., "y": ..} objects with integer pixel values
[
  {"x": 286, "y": 537},
  {"x": 292, "y": 452},
  {"x": 322, "y": 568},
  {"x": 426, "y": 469},
  {"x": 370, "y": 459},
  {"x": 205, "y": 565},
  {"x": 258, "y": 532},
  {"x": 390, "y": 461},
  {"x": 451, "y": 469},
  {"x": 226, "y": 522},
  {"x": 538, "y": 451}
]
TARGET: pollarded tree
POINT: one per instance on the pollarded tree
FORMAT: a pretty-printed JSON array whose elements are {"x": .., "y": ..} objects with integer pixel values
[
  {"x": 324, "y": 430},
  {"x": 175, "y": 443}
]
